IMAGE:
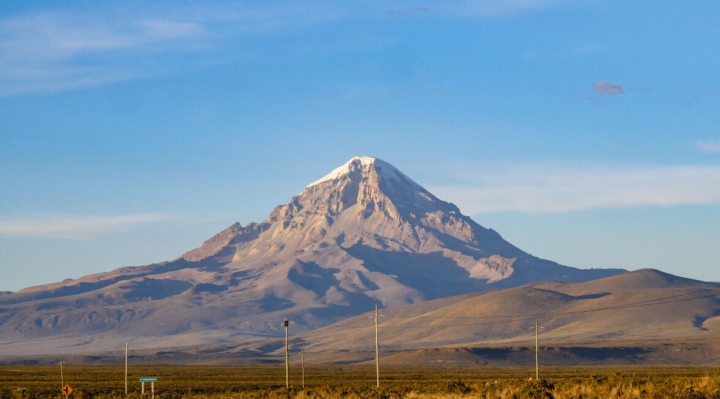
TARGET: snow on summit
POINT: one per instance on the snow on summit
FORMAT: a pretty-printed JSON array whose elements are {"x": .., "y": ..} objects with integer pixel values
[{"x": 383, "y": 168}]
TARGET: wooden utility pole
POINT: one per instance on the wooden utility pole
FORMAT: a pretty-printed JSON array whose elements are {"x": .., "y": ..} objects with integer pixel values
[
  {"x": 537, "y": 352},
  {"x": 377, "y": 348},
  {"x": 126, "y": 366},
  {"x": 287, "y": 356},
  {"x": 62, "y": 377},
  {"x": 302, "y": 360}
]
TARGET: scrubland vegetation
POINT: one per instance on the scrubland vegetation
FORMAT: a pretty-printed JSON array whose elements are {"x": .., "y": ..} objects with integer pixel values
[{"x": 206, "y": 382}]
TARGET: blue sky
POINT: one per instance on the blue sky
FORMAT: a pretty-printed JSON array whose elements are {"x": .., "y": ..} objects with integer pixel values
[{"x": 583, "y": 131}]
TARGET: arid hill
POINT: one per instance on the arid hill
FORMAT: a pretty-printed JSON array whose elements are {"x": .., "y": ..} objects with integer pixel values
[
  {"x": 641, "y": 305},
  {"x": 641, "y": 317}
]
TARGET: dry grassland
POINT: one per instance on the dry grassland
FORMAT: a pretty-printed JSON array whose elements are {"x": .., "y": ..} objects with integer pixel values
[{"x": 206, "y": 382}]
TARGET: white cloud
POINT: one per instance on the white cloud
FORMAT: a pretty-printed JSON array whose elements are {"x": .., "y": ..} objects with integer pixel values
[
  {"x": 575, "y": 187},
  {"x": 63, "y": 49},
  {"x": 56, "y": 51},
  {"x": 59, "y": 50},
  {"x": 709, "y": 146},
  {"x": 73, "y": 227}
]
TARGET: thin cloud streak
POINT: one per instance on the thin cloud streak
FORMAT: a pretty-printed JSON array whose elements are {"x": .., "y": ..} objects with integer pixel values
[
  {"x": 503, "y": 8},
  {"x": 73, "y": 227},
  {"x": 569, "y": 188},
  {"x": 710, "y": 146},
  {"x": 59, "y": 50},
  {"x": 410, "y": 11},
  {"x": 467, "y": 8},
  {"x": 48, "y": 52}
]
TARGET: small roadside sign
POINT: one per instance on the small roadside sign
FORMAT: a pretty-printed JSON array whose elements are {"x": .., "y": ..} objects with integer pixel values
[
  {"x": 67, "y": 390},
  {"x": 152, "y": 381}
]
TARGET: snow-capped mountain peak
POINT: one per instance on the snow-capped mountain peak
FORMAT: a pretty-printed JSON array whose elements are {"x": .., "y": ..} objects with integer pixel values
[
  {"x": 363, "y": 164},
  {"x": 365, "y": 234}
]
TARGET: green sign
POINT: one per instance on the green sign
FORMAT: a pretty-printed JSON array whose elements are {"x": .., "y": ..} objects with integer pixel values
[{"x": 148, "y": 379}]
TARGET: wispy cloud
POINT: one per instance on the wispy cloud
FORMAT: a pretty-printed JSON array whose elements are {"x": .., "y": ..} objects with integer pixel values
[
  {"x": 410, "y": 11},
  {"x": 503, "y": 8},
  {"x": 709, "y": 146},
  {"x": 575, "y": 187},
  {"x": 467, "y": 8},
  {"x": 73, "y": 227},
  {"x": 61, "y": 49},
  {"x": 58, "y": 50},
  {"x": 608, "y": 89}
]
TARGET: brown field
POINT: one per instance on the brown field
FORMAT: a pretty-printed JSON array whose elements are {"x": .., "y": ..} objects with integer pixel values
[{"x": 359, "y": 382}]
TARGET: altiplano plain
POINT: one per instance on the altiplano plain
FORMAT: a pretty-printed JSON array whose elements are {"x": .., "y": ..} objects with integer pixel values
[{"x": 354, "y": 381}]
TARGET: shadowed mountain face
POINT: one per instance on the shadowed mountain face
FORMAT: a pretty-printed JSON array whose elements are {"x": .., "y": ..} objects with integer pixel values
[{"x": 365, "y": 234}]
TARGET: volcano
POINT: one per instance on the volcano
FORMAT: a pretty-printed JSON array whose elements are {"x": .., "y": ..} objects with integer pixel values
[{"x": 365, "y": 234}]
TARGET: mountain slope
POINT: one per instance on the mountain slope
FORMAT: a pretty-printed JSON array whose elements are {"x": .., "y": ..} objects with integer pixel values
[
  {"x": 365, "y": 234},
  {"x": 640, "y": 308}
]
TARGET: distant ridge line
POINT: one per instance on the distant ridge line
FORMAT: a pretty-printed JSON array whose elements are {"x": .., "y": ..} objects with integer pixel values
[{"x": 631, "y": 305}]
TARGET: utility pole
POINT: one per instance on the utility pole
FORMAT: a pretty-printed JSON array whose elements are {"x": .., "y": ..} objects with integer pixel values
[
  {"x": 126, "y": 366},
  {"x": 62, "y": 377},
  {"x": 537, "y": 351},
  {"x": 377, "y": 348},
  {"x": 302, "y": 357},
  {"x": 287, "y": 356}
]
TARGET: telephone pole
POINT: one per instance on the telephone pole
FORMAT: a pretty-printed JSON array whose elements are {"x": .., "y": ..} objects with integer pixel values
[
  {"x": 377, "y": 348},
  {"x": 287, "y": 356},
  {"x": 62, "y": 377},
  {"x": 302, "y": 360},
  {"x": 126, "y": 366},
  {"x": 537, "y": 351}
]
